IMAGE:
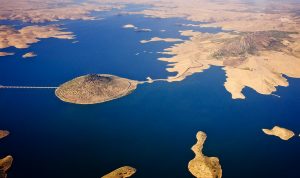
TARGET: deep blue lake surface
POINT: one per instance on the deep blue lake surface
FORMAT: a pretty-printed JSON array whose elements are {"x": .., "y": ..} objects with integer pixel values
[{"x": 152, "y": 129}]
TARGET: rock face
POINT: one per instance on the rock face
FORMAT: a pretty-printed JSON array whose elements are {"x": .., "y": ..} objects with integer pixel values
[
  {"x": 202, "y": 166},
  {"x": 3, "y": 133},
  {"x": 5, "y": 164},
  {"x": 280, "y": 132},
  {"x": 122, "y": 172},
  {"x": 95, "y": 88}
]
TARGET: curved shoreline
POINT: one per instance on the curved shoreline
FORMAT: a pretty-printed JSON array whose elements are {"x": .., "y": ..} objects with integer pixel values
[
  {"x": 86, "y": 90},
  {"x": 116, "y": 97}
]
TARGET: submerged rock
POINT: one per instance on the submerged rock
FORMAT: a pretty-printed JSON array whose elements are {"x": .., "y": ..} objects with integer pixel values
[
  {"x": 122, "y": 172},
  {"x": 202, "y": 166},
  {"x": 95, "y": 88},
  {"x": 280, "y": 132}
]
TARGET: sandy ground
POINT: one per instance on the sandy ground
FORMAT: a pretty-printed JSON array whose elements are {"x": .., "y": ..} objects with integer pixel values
[
  {"x": 202, "y": 166},
  {"x": 280, "y": 132},
  {"x": 122, "y": 172}
]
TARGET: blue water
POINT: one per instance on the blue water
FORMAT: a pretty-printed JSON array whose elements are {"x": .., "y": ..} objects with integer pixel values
[{"x": 152, "y": 129}]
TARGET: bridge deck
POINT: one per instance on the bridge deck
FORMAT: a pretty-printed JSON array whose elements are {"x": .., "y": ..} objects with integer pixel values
[{"x": 25, "y": 87}]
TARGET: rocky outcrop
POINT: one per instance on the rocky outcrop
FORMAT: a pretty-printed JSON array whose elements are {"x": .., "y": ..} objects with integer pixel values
[
  {"x": 202, "y": 166},
  {"x": 3, "y": 133},
  {"x": 5, "y": 164},
  {"x": 280, "y": 132},
  {"x": 95, "y": 88},
  {"x": 122, "y": 172}
]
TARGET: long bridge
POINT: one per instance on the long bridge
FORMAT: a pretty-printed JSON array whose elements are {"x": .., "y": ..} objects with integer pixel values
[{"x": 25, "y": 87}]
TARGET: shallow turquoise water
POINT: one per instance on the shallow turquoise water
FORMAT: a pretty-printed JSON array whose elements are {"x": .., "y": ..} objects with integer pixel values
[{"x": 152, "y": 129}]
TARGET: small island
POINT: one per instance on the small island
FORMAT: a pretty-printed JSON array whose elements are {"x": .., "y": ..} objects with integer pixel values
[
  {"x": 95, "y": 88},
  {"x": 5, "y": 164},
  {"x": 29, "y": 54},
  {"x": 156, "y": 39},
  {"x": 280, "y": 132},
  {"x": 129, "y": 26},
  {"x": 3, "y": 133},
  {"x": 122, "y": 172},
  {"x": 202, "y": 166}
]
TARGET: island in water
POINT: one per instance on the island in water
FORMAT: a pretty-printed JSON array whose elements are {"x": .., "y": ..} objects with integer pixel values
[
  {"x": 95, "y": 88},
  {"x": 6, "y": 162},
  {"x": 3, "y": 133},
  {"x": 202, "y": 166},
  {"x": 122, "y": 172},
  {"x": 280, "y": 132},
  {"x": 29, "y": 54}
]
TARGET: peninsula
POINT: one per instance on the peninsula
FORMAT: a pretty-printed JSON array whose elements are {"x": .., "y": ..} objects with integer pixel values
[
  {"x": 154, "y": 39},
  {"x": 24, "y": 37}
]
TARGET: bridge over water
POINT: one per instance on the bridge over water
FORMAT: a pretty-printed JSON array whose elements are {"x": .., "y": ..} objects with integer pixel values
[{"x": 26, "y": 87}]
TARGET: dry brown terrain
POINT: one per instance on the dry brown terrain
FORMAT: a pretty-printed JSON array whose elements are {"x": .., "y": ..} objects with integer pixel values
[
  {"x": 230, "y": 15},
  {"x": 96, "y": 88},
  {"x": 202, "y": 166},
  {"x": 154, "y": 39},
  {"x": 257, "y": 60},
  {"x": 29, "y": 54},
  {"x": 24, "y": 37},
  {"x": 280, "y": 132},
  {"x": 3, "y": 133},
  {"x": 6, "y": 54},
  {"x": 260, "y": 44},
  {"x": 5, "y": 164},
  {"x": 39, "y": 11},
  {"x": 264, "y": 43},
  {"x": 122, "y": 172}
]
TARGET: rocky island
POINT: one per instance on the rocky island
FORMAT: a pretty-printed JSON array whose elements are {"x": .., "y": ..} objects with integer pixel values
[
  {"x": 29, "y": 54},
  {"x": 95, "y": 88},
  {"x": 3, "y": 133},
  {"x": 155, "y": 39},
  {"x": 202, "y": 166},
  {"x": 280, "y": 132},
  {"x": 122, "y": 172},
  {"x": 5, "y": 164}
]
